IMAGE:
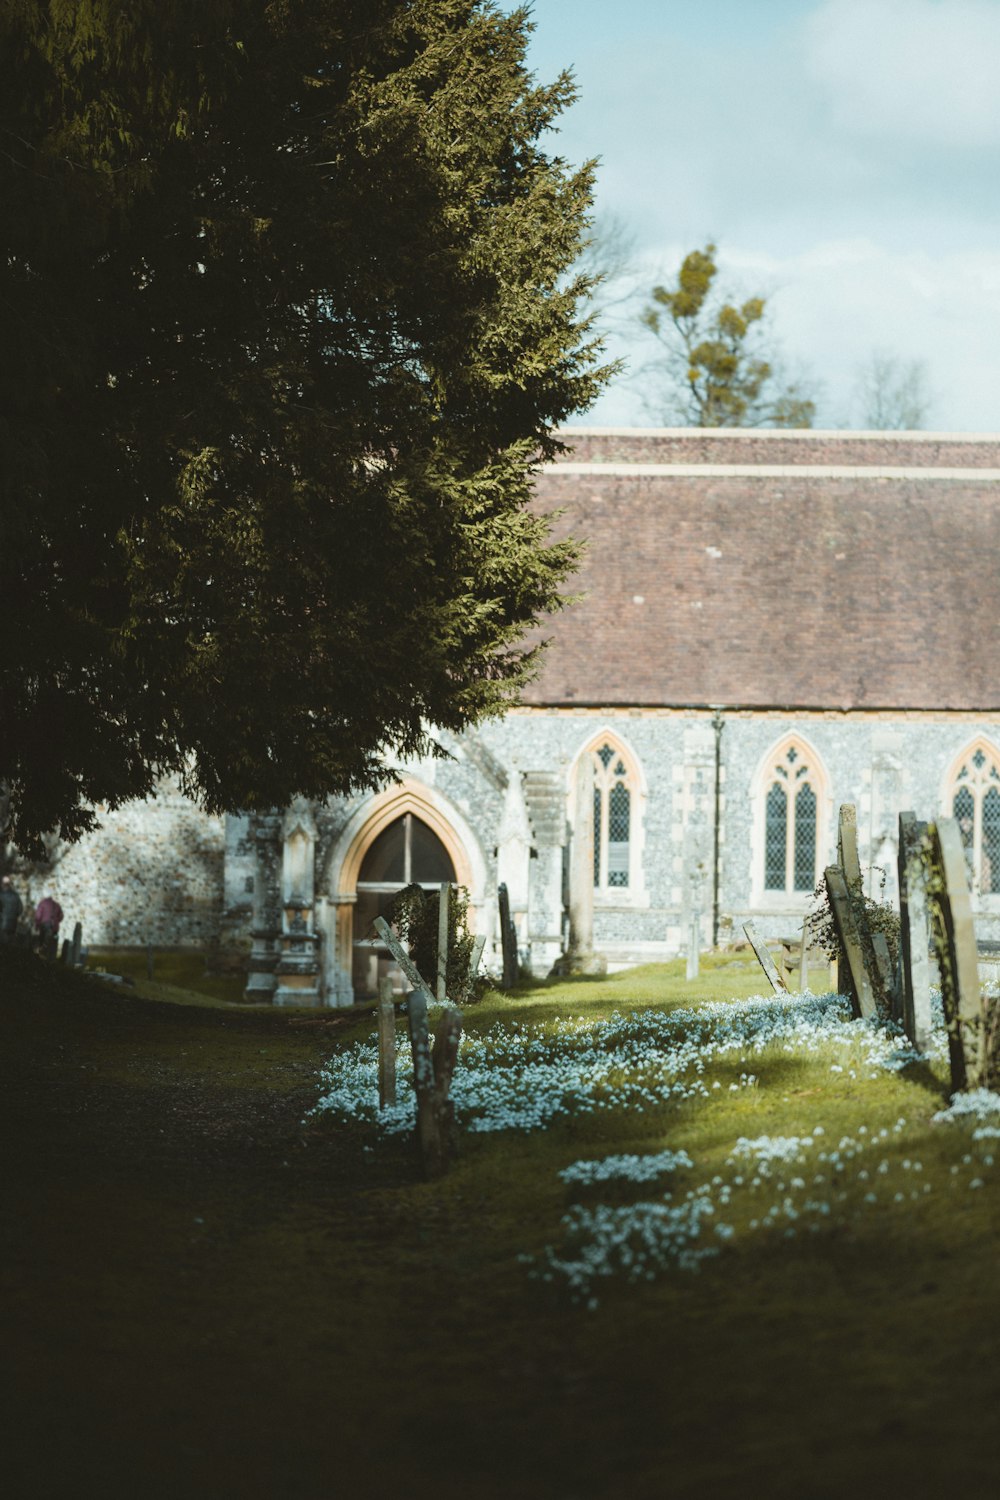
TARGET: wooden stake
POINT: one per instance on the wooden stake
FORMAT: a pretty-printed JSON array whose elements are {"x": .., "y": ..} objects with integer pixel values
[
  {"x": 444, "y": 902},
  {"x": 386, "y": 1044}
]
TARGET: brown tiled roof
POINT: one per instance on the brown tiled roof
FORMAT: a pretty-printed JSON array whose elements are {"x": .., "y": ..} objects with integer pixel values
[{"x": 778, "y": 569}]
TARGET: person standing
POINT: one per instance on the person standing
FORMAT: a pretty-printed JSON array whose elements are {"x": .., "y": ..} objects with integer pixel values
[
  {"x": 11, "y": 907},
  {"x": 48, "y": 915}
]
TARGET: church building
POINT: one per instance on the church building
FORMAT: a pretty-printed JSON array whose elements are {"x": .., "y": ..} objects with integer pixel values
[{"x": 772, "y": 623}]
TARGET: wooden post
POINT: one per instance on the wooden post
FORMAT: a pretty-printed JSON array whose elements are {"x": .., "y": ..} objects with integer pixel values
[
  {"x": 444, "y": 901},
  {"x": 508, "y": 940},
  {"x": 764, "y": 958},
  {"x": 860, "y": 992},
  {"x": 955, "y": 945},
  {"x": 914, "y": 933},
  {"x": 386, "y": 1044}
]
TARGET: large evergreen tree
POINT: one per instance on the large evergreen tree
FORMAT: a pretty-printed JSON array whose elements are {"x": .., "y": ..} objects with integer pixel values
[{"x": 285, "y": 323}]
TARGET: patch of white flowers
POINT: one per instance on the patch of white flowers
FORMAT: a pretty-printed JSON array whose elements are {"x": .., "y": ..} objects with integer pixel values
[
  {"x": 625, "y": 1168},
  {"x": 526, "y": 1078}
]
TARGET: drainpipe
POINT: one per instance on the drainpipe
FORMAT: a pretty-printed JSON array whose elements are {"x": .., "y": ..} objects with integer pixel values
[{"x": 718, "y": 724}]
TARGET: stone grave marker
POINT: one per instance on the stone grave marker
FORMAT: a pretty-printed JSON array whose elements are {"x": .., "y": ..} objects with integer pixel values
[
  {"x": 954, "y": 940},
  {"x": 764, "y": 959},
  {"x": 508, "y": 940},
  {"x": 914, "y": 932},
  {"x": 853, "y": 966},
  {"x": 432, "y": 1070}
]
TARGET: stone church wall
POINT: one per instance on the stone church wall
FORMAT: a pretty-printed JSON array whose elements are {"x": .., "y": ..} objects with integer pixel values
[{"x": 153, "y": 873}]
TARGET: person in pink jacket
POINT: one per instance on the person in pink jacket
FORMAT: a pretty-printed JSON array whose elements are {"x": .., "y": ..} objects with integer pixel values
[{"x": 48, "y": 915}]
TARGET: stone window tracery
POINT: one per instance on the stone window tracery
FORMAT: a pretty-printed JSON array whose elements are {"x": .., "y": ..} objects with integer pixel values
[
  {"x": 974, "y": 798},
  {"x": 792, "y": 788},
  {"x": 615, "y": 803}
]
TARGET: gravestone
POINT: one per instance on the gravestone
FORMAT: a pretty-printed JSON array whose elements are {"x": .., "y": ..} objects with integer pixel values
[
  {"x": 75, "y": 952},
  {"x": 914, "y": 932},
  {"x": 764, "y": 959},
  {"x": 954, "y": 940},
  {"x": 432, "y": 1070},
  {"x": 853, "y": 966},
  {"x": 508, "y": 940}
]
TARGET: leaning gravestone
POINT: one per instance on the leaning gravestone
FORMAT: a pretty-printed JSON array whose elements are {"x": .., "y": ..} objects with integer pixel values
[
  {"x": 955, "y": 945},
  {"x": 914, "y": 932},
  {"x": 432, "y": 1070},
  {"x": 853, "y": 965},
  {"x": 764, "y": 958}
]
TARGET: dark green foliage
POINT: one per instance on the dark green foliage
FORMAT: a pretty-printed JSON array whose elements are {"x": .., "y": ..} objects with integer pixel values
[
  {"x": 286, "y": 322},
  {"x": 716, "y": 374},
  {"x": 415, "y": 917}
]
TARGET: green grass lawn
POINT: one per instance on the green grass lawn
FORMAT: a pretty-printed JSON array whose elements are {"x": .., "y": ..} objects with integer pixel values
[{"x": 209, "y": 1298}]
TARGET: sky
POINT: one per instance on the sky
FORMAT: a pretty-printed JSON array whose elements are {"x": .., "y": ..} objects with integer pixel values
[{"x": 842, "y": 155}]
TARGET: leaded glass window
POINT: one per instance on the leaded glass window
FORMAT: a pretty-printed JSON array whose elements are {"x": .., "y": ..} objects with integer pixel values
[
  {"x": 791, "y": 821},
  {"x": 975, "y": 805},
  {"x": 614, "y": 805}
]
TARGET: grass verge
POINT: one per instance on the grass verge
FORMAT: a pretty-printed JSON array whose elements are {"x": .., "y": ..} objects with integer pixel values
[{"x": 207, "y": 1298}]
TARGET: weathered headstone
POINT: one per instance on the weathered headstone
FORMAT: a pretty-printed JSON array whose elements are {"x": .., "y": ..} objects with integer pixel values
[
  {"x": 75, "y": 953},
  {"x": 853, "y": 967},
  {"x": 386, "y": 1044},
  {"x": 66, "y": 953},
  {"x": 508, "y": 940},
  {"x": 432, "y": 1071},
  {"x": 914, "y": 932},
  {"x": 804, "y": 958},
  {"x": 478, "y": 944},
  {"x": 954, "y": 939},
  {"x": 764, "y": 958}
]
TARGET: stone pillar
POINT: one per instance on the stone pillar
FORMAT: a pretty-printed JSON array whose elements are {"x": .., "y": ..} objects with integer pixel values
[
  {"x": 883, "y": 810},
  {"x": 265, "y": 922},
  {"x": 514, "y": 854},
  {"x": 580, "y": 957},
  {"x": 298, "y": 965},
  {"x": 545, "y": 799},
  {"x": 694, "y": 833}
]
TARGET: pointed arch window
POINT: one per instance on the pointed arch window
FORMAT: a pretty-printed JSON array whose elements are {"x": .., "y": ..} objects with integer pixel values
[
  {"x": 793, "y": 783},
  {"x": 615, "y": 805},
  {"x": 975, "y": 804}
]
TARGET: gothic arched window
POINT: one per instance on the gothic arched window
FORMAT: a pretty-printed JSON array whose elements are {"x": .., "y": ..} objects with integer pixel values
[
  {"x": 792, "y": 790},
  {"x": 974, "y": 797},
  {"x": 615, "y": 805}
]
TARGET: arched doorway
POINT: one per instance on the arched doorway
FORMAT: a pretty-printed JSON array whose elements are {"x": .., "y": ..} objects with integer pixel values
[{"x": 406, "y": 852}]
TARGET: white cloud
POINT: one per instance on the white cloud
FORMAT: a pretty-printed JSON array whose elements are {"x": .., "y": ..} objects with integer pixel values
[{"x": 909, "y": 69}]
